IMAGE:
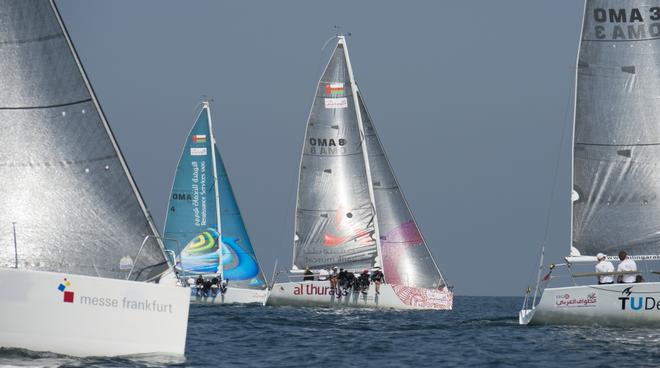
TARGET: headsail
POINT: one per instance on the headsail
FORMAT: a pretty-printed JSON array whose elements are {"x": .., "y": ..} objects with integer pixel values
[
  {"x": 192, "y": 227},
  {"x": 64, "y": 181},
  {"x": 616, "y": 163},
  {"x": 406, "y": 257},
  {"x": 334, "y": 224}
]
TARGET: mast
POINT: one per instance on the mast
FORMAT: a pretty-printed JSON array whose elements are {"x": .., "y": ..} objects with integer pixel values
[
  {"x": 206, "y": 106},
  {"x": 365, "y": 154},
  {"x": 111, "y": 136}
]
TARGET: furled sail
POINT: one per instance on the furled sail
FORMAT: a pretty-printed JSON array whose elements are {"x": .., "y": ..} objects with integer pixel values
[
  {"x": 66, "y": 187},
  {"x": 334, "y": 223},
  {"x": 616, "y": 164},
  {"x": 192, "y": 229},
  {"x": 406, "y": 257}
]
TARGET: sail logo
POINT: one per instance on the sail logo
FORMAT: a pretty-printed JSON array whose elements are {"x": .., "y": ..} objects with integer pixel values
[
  {"x": 68, "y": 295},
  {"x": 571, "y": 301},
  {"x": 197, "y": 151},
  {"x": 626, "y": 24},
  {"x": 335, "y": 89},
  {"x": 199, "y": 138},
  {"x": 336, "y": 103},
  {"x": 629, "y": 301}
]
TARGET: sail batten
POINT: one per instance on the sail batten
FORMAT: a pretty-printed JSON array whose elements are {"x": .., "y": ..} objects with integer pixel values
[{"x": 616, "y": 157}]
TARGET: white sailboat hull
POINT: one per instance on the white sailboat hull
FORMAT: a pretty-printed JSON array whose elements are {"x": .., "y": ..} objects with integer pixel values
[
  {"x": 232, "y": 296},
  {"x": 319, "y": 294},
  {"x": 91, "y": 316},
  {"x": 625, "y": 305}
]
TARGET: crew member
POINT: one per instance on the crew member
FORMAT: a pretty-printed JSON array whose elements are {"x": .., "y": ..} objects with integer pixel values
[
  {"x": 604, "y": 265},
  {"x": 199, "y": 284},
  {"x": 323, "y": 275},
  {"x": 363, "y": 281},
  {"x": 377, "y": 277},
  {"x": 626, "y": 264},
  {"x": 309, "y": 275}
]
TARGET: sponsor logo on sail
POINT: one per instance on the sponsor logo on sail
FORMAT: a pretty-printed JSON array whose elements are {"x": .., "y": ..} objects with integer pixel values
[
  {"x": 199, "y": 138},
  {"x": 571, "y": 301},
  {"x": 336, "y": 103},
  {"x": 197, "y": 151},
  {"x": 67, "y": 294},
  {"x": 335, "y": 89},
  {"x": 630, "y": 301}
]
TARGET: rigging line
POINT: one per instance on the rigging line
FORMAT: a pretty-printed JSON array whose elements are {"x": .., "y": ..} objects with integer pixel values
[{"x": 556, "y": 171}]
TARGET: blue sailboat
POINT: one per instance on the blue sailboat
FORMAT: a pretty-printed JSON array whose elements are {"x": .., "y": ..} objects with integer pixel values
[{"x": 204, "y": 227}]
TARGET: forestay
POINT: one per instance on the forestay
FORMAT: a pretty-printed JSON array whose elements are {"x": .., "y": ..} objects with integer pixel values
[
  {"x": 334, "y": 223},
  {"x": 616, "y": 173},
  {"x": 64, "y": 182}
]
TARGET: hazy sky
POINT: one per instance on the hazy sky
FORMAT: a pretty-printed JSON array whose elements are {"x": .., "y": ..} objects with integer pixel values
[{"x": 469, "y": 99}]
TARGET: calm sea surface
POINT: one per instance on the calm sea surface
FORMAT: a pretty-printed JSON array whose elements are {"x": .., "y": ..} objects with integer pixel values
[{"x": 480, "y": 332}]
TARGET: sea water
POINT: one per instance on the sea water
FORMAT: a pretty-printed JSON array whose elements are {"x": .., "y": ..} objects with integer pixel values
[{"x": 479, "y": 332}]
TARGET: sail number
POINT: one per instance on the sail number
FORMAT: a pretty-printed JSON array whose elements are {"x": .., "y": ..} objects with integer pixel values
[{"x": 626, "y": 24}]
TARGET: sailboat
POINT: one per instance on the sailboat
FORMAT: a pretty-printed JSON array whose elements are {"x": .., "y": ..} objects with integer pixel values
[
  {"x": 615, "y": 183},
  {"x": 204, "y": 226},
  {"x": 80, "y": 255},
  {"x": 350, "y": 211}
]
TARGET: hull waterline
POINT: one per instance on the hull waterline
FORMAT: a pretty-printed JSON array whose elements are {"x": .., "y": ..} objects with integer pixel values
[{"x": 231, "y": 296}]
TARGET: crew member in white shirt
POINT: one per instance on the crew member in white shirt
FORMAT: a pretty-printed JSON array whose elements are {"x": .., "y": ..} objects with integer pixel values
[
  {"x": 604, "y": 265},
  {"x": 626, "y": 264}
]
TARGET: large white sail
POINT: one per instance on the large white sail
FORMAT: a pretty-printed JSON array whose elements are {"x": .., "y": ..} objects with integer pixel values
[
  {"x": 616, "y": 164},
  {"x": 66, "y": 187},
  {"x": 334, "y": 224}
]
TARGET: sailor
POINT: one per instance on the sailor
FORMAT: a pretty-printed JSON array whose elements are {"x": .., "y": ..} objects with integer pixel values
[
  {"x": 350, "y": 281},
  {"x": 323, "y": 275},
  {"x": 309, "y": 275},
  {"x": 199, "y": 284},
  {"x": 377, "y": 278},
  {"x": 626, "y": 264},
  {"x": 332, "y": 276},
  {"x": 363, "y": 281},
  {"x": 215, "y": 284},
  {"x": 206, "y": 289},
  {"x": 223, "y": 285},
  {"x": 604, "y": 265}
]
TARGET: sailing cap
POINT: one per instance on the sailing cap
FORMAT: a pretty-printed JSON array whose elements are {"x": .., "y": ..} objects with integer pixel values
[{"x": 600, "y": 256}]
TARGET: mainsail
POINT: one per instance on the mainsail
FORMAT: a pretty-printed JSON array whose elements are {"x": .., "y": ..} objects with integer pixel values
[
  {"x": 334, "y": 223},
  {"x": 337, "y": 217},
  {"x": 616, "y": 163},
  {"x": 66, "y": 188},
  {"x": 204, "y": 224}
]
